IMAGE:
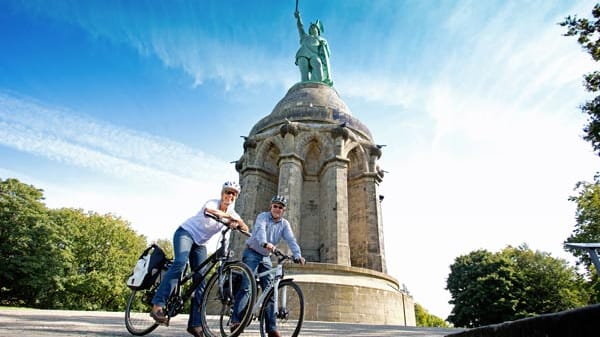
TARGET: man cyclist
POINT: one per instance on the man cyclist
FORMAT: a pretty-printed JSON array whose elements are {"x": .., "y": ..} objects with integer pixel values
[{"x": 269, "y": 228}]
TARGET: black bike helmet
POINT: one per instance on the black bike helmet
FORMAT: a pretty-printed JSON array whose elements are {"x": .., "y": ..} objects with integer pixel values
[{"x": 279, "y": 199}]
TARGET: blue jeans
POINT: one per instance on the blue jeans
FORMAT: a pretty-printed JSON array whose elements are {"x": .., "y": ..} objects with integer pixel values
[
  {"x": 258, "y": 264},
  {"x": 184, "y": 248}
]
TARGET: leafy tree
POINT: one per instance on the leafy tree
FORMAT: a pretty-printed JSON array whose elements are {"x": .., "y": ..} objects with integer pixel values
[
  {"x": 29, "y": 252},
  {"x": 425, "y": 319},
  {"x": 587, "y": 228},
  {"x": 488, "y": 288},
  {"x": 167, "y": 247},
  {"x": 103, "y": 250},
  {"x": 480, "y": 285},
  {"x": 62, "y": 258},
  {"x": 588, "y": 36}
]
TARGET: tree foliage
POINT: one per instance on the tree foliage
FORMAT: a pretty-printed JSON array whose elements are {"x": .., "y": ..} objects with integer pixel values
[
  {"x": 587, "y": 228},
  {"x": 425, "y": 319},
  {"x": 62, "y": 258},
  {"x": 488, "y": 288},
  {"x": 587, "y": 32},
  {"x": 28, "y": 246}
]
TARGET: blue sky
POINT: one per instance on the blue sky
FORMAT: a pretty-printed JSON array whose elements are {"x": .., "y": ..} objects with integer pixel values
[{"x": 136, "y": 108}]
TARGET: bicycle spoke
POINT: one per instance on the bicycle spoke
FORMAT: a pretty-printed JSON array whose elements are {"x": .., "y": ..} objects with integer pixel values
[
  {"x": 290, "y": 314},
  {"x": 217, "y": 304},
  {"x": 137, "y": 317}
]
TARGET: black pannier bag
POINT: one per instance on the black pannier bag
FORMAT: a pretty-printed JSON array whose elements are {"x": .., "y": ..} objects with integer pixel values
[{"x": 148, "y": 268}]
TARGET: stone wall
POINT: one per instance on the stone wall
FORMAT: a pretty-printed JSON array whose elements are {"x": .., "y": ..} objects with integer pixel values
[{"x": 348, "y": 294}]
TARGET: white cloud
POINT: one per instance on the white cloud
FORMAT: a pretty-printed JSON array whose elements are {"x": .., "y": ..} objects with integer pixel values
[{"x": 149, "y": 181}]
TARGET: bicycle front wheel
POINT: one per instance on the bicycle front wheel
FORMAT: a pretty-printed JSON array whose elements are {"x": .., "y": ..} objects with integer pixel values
[
  {"x": 218, "y": 301},
  {"x": 290, "y": 312},
  {"x": 137, "y": 312}
]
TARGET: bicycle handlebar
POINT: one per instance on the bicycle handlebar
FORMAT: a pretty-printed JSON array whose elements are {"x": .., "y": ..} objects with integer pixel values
[
  {"x": 282, "y": 257},
  {"x": 227, "y": 224}
]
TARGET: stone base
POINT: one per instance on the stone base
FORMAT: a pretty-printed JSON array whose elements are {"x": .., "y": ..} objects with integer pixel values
[{"x": 335, "y": 293}]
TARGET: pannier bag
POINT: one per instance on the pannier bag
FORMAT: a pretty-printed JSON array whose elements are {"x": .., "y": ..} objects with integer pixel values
[{"x": 147, "y": 269}]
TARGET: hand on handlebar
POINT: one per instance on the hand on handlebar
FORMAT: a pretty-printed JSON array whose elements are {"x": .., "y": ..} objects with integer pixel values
[
  {"x": 300, "y": 260},
  {"x": 270, "y": 247}
]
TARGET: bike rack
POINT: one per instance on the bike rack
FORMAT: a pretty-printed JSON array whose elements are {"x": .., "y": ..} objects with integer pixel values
[{"x": 591, "y": 249}]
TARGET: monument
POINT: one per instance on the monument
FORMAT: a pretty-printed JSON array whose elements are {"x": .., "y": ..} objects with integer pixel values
[{"x": 312, "y": 150}]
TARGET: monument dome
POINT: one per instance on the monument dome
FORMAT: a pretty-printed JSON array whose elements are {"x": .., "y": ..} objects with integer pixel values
[{"x": 312, "y": 102}]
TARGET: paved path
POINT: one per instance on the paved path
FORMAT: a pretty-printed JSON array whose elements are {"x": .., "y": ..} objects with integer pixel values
[{"x": 59, "y": 323}]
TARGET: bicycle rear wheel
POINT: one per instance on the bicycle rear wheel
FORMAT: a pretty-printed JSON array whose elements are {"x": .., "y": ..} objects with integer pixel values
[
  {"x": 290, "y": 314},
  {"x": 137, "y": 312},
  {"x": 217, "y": 302}
]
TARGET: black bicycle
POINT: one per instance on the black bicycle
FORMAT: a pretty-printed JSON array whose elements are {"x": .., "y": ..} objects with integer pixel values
[{"x": 226, "y": 276}]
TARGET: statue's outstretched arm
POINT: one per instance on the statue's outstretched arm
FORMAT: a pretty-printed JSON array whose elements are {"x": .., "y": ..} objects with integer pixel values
[{"x": 299, "y": 24}]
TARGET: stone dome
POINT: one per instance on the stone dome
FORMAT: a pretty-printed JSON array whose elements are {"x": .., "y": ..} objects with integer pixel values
[{"x": 312, "y": 102}]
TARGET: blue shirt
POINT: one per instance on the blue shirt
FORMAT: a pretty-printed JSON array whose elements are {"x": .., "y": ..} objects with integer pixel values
[{"x": 267, "y": 230}]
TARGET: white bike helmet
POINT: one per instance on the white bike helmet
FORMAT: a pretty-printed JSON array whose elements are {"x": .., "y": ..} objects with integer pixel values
[
  {"x": 279, "y": 199},
  {"x": 231, "y": 185}
]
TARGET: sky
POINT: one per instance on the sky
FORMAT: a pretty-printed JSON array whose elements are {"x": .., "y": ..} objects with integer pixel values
[{"x": 137, "y": 108}]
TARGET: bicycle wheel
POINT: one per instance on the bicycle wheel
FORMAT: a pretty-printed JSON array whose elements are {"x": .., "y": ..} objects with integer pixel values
[
  {"x": 290, "y": 314},
  {"x": 137, "y": 312},
  {"x": 217, "y": 304}
]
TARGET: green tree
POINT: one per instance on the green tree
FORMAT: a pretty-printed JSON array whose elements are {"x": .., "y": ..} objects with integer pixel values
[
  {"x": 488, "y": 288},
  {"x": 102, "y": 252},
  {"x": 167, "y": 247},
  {"x": 588, "y": 36},
  {"x": 425, "y": 319},
  {"x": 479, "y": 284},
  {"x": 31, "y": 257},
  {"x": 587, "y": 228},
  {"x": 62, "y": 258}
]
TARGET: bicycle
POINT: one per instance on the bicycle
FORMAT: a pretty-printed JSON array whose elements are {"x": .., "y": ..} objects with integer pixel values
[
  {"x": 288, "y": 304},
  {"x": 137, "y": 318}
]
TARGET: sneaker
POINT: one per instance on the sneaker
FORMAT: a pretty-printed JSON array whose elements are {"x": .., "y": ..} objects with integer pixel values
[
  {"x": 195, "y": 331},
  {"x": 234, "y": 326},
  {"x": 273, "y": 334},
  {"x": 159, "y": 316}
]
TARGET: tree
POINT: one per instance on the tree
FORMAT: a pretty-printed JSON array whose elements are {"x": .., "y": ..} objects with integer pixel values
[
  {"x": 31, "y": 257},
  {"x": 425, "y": 319},
  {"x": 103, "y": 250},
  {"x": 587, "y": 228},
  {"x": 488, "y": 288},
  {"x": 62, "y": 258},
  {"x": 588, "y": 36},
  {"x": 480, "y": 285}
]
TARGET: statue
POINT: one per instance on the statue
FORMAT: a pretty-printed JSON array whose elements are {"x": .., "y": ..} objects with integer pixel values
[{"x": 313, "y": 56}]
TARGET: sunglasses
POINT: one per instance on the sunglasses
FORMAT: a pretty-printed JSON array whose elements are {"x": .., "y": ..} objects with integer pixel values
[
  {"x": 231, "y": 193},
  {"x": 277, "y": 206}
]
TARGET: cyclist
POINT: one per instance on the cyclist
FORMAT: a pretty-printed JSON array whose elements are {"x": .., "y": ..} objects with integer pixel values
[
  {"x": 269, "y": 228},
  {"x": 189, "y": 242}
]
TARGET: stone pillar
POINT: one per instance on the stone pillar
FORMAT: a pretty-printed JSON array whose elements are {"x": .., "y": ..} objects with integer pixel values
[
  {"x": 334, "y": 213},
  {"x": 290, "y": 186},
  {"x": 258, "y": 187},
  {"x": 375, "y": 245}
]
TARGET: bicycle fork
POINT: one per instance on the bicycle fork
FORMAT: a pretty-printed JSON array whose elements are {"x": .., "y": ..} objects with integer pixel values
[{"x": 282, "y": 313}]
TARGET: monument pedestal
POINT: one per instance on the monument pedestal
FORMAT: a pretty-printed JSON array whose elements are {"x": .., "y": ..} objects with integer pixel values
[{"x": 335, "y": 293}]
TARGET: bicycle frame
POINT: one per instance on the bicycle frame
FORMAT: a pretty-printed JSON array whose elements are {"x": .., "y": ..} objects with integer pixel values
[
  {"x": 277, "y": 273},
  {"x": 220, "y": 257}
]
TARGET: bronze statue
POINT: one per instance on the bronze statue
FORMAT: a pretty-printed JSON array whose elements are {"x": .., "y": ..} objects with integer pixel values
[{"x": 313, "y": 56}]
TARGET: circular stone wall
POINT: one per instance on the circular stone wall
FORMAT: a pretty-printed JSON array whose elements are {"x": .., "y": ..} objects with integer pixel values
[{"x": 337, "y": 293}]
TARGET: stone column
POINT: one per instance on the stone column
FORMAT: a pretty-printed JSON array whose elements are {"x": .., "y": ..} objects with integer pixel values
[
  {"x": 290, "y": 186},
  {"x": 375, "y": 247},
  {"x": 334, "y": 212}
]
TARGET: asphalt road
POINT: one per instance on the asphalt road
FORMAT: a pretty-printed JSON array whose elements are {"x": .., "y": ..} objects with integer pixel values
[{"x": 16, "y": 322}]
